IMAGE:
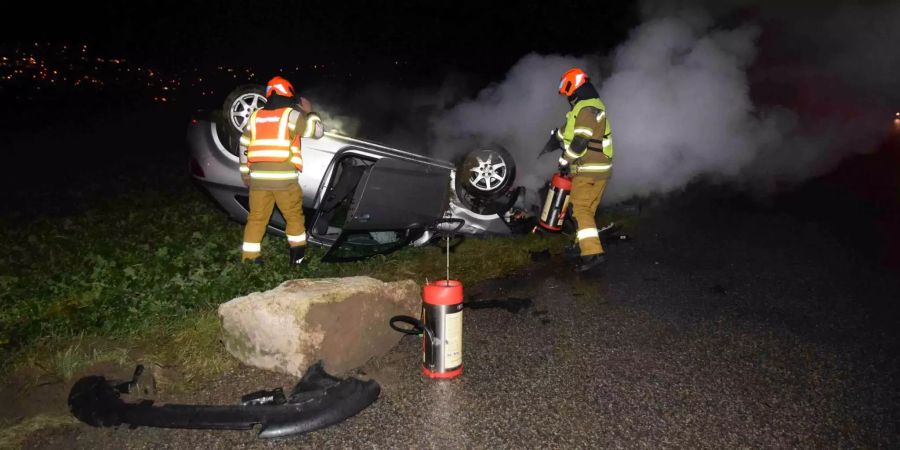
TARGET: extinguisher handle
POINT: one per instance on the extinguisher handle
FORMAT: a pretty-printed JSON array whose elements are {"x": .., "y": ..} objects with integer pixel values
[{"x": 417, "y": 326}]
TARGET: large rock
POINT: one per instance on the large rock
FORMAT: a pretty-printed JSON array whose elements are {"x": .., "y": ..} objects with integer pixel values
[{"x": 342, "y": 321}]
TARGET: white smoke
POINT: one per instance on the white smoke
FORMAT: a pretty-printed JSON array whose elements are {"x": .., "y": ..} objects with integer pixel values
[
  {"x": 517, "y": 114},
  {"x": 679, "y": 100},
  {"x": 755, "y": 98},
  {"x": 679, "y": 106},
  {"x": 338, "y": 123}
]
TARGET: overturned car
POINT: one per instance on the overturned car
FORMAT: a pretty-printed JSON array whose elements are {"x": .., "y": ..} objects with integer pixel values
[{"x": 361, "y": 198}]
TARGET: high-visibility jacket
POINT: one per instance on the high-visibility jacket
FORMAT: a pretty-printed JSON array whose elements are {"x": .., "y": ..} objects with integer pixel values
[
  {"x": 588, "y": 120},
  {"x": 271, "y": 148}
]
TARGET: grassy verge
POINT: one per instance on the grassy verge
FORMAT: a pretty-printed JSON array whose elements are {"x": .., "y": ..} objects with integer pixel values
[{"x": 144, "y": 273}]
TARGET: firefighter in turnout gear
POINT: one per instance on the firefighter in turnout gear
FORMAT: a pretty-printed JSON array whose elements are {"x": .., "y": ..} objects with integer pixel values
[
  {"x": 586, "y": 141},
  {"x": 270, "y": 163}
]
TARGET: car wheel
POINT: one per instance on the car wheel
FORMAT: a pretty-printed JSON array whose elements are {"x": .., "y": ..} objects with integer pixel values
[
  {"x": 487, "y": 172},
  {"x": 484, "y": 178},
  {"x": 239, "y": 104}
]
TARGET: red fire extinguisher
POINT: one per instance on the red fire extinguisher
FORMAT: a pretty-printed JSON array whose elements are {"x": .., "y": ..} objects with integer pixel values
[
  {"x": 442, "y": 319},
  {"x": 557, "y": 202},
  {"x": 440, "y": 327},
  {"x": 441, "y": 324}
]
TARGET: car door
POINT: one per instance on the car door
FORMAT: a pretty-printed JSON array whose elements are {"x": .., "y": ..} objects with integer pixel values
[{"x": 394, "y": 199}]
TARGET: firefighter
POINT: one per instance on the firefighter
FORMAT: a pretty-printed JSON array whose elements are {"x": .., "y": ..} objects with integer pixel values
[
  {"x": 587, "y": 147},
  {"x": 270, "y": 163}
]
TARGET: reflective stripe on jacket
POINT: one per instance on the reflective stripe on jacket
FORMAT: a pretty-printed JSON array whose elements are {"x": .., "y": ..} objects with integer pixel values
[
  {"x": 270, "y": 138},
  {"x": 273, "y": 158},
  {"x": 585, "y": 120}
]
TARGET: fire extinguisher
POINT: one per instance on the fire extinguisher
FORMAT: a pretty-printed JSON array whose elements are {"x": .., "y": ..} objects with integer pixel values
[
  {"x": 441, "y": 323},
  {"x": 557, "y": 202}
]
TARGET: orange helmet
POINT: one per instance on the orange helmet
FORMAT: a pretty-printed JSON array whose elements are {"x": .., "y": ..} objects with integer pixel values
[
  {"x": 573, "y": 79},
  {"x": 279, "y": 86}
]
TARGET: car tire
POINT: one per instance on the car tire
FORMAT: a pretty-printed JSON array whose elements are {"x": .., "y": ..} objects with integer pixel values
[
  {"x": 481, "y": 198},
  {"x": 487, "y": 172},
  {"x": 238, "y": 106}
]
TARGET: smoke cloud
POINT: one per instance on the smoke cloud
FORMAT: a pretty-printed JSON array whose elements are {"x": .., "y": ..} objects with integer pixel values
[
  {"x": 517, "y": 114},
  {"x": 762, "y": 103},
  {"x": 758, "y": 98}
]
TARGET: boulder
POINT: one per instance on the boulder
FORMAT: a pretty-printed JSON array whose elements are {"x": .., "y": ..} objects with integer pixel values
[{"x": 341, "y": 321}]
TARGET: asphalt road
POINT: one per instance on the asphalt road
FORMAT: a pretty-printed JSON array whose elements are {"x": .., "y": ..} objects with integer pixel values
[{"x": 720, "y": 325}]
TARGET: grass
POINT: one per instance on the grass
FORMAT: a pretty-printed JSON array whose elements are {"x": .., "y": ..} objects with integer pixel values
[
  {"x": 60, "y": 361},
  {"x": 145, "y": 271},
  {"x": 193, "y": 347}
]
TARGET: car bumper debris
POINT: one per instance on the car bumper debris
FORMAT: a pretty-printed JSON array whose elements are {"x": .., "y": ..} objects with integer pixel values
[{"x": 317, "y": 401}]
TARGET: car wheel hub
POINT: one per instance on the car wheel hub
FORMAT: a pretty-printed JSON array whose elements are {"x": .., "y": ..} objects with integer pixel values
[
  {"x": 242, "y": 107},
  {"x": 487, "y": 175}
]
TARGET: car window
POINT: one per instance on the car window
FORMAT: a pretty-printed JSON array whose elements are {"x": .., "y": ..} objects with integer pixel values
[{"x": 356, "y": 245}]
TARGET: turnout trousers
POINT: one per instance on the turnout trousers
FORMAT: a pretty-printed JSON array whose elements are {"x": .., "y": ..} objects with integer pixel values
[
  {"x": 586, "y": 194},
  {"x": 289, "y": 202}
]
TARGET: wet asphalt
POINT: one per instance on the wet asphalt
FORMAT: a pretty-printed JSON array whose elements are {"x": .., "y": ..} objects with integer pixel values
[{"x": 716, "y": 326}]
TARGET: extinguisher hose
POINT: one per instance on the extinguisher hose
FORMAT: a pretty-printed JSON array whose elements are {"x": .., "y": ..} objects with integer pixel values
[{"x": 417, "y": 326}]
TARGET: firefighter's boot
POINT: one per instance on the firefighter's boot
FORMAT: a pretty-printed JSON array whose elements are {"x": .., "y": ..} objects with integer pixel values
[
  {"x": 572, "y": 252},
  {"x": 589, "y": 262},
  {"x": 297, "y": 255}
]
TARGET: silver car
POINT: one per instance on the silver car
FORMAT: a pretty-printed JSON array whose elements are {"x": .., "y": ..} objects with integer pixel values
[{"x": 361, "y": 198}]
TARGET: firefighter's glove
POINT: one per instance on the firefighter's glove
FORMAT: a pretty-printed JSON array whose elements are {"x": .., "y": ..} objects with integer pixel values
[
  {"x": 245, "y": 177},
  {"x": 564, "y": 166},
  {"x": 579, "y": 145}
]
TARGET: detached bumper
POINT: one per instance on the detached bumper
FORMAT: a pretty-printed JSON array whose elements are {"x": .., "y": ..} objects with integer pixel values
[{"x": 319, "y": 400}]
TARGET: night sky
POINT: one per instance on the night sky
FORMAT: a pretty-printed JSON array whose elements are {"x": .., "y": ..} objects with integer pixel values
[
  {"x": 143, "y": 68},
  {"x": 475, "y": 38}
]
